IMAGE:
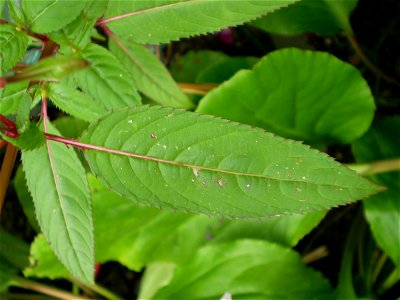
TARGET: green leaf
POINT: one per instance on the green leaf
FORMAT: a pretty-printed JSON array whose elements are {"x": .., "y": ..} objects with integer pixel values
[
  {"x": 14, "y": 7},
  {"x": 248, "y": 270},
  {"x": 31, "y": 138},
  {"x": 74, "y": 102},
  {"x": 325, "y": 99},
  {"x": 59, "y": 188},
  {"x": 49, "y": 15},
  {"x": 13, "y": 43},
  {"x": 10, "y": 96},
  {"x": 13, "y": 251},
  {"x": 383, "y": 211},
  {"x": 189, "y": 66},
  {"x": 285, "y": 230},
  {"x": 106, "y": 80},
  {"x": 77, "y": 33},
  {"x": 25, "y": 198},
  {"x": 149, "y": 74},
  {"x": 208, "y": 165},
  {"x": 43, "y": 262},
  {"x": 51, "y": 69},
  {"x": 164, "y": 21},
  {"x": 70, "y": 127},
  {"x": 325, "y": 17},
  {"x": 24, "y": 108}
]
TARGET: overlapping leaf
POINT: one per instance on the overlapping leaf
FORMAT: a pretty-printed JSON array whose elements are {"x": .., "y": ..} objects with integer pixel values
[
  {"x": 10, "y": 96},
  {"x": 298, "y": 94},
  {"x": 248, "y": 270},
  {"x": 106, "y": 80},
  {"x": 58, "y": 185},
  {"x": 219, "y": 168},
  {"x": 74, "y": 102},
  {"x": 49, "y": 15},
  {"x": 154, "y": 22},
  {"x": 13, "y": 45},
  {"x": 324, "y": 17},
  {"x": 149, "y": 74}
]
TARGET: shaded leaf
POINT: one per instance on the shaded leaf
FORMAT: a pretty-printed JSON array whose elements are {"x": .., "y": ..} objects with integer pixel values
[
  {"x": 157, "y": 22},
  {"x": 325, "y": 17},
  {"x": 10, "y": 96},
  {"x": 41, "y": 14},
  {"x": 106, "y": 80},
  {"x": 31, "y": 138},
  {"x": 325, "y": 100},
  {"x": 248, "y": 270},
  {"x": 58, "y": 185},
  {"x": 13, "y": 43},
  {"x": 75, "y": 102},
  {"x": 13, "y": 251},
  {"x": 219, "y": 168},
  {"x": 70, "y": 127},
  {"x": 149, "y": 74},
  {"x": 383, "y": 211}
]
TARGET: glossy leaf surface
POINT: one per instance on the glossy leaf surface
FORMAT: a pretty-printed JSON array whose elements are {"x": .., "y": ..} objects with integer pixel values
[
  {"x": 149, "y": 74},
  {"x": 220, "y": 168},
  {"x": 106, "y": 80},
  {"x": 325, "y": 100},
  {"x": 41, "y": 14},
  {"x": 154, "y": 22},
  {"x": 60, "y": 192},
  {"x": 248, "y": 270},
  {"x": 13, "y": 45}
]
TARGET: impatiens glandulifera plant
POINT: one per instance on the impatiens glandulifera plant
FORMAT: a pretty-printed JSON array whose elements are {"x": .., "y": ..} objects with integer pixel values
[{"x": 169, "y": 156}]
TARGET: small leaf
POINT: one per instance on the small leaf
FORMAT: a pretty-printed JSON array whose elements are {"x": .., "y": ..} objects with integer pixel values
[
  {"x": 42, "y": 14},
  {"x": 325, "y": 99},
  {"x": 248, "y": 269},
  {"x": 74, "y": 102},
  {"x": 14, "y": 7},
  {"x": 10, "y": 96},
  {"x": 52, "y": 69},
  {"x": 31, "y": 138},
  {"x": 59, "y": 188},
  {"x": 106, "y": 80},
  {"x": 24, "y": 108},
  {"x": 323, "y": 17},
  {"x": 13, "y": 44},
  {"x": 149, "y": 74},
  {"x": 165, "y": 21},
  {"x": 219, "y": 167}
]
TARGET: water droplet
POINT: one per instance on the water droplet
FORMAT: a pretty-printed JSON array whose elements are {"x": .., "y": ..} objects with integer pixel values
[
  {"x": 165, "y": 146},
  {"x": 304, "y": 177},
  {"x": 188, "y": 148},
  {"x": 130, "y": 121},
  {"x": 248, "y": 185}
]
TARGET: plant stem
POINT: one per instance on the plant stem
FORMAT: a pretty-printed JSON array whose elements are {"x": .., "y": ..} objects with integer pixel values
[
  {"x": 95, "y": 288},
  {"x": 371, "y": 65},
  {"x": 316, "y": 254},
  {"x": 6, "y": 170},
  {"x": 44, "y": 289},
  {"x": 197, "y": 88},
  {"x": 378, "y": 267},
  {"x": 377, "y": 167},
  {"x": 391, "y": 280}
]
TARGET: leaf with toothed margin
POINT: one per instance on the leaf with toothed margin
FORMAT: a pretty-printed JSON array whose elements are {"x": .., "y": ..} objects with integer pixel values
[
  {"x": 106, "y": 79},
  {"x": 60, "y": 192},
  {"x": 156, "y": 22},
  {"x": 42, "y": 14},
  {"x": 181, "y": 160},
  {"x": 31, "y": 138},
  {"x": 13, "y": 45}
]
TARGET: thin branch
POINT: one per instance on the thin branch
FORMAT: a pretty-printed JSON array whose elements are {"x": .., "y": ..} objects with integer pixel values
[
  {"x": 6, "y": 170},
  {"x": 315, "y": 254},
  {"x": 371, "y": 65},
  {"x": 197, "y": 88},
  {"x": 377, "y": 167}
]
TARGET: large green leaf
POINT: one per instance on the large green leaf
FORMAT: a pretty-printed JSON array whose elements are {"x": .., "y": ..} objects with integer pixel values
[
  {"x": 180, "y": 160},
  {"x": 299, "y": 94},
  {"x": 383, "y": 211},
  {"x": 59, "y": 188},
  {"x": 106, "y": 80},
  {"x": 248, "y": 270},
  {"x": 149, "y": 74},
  {"x": 11, "y": 95},
  {"x": 74, "y": 102},
  {"x": 13, "y": 45},
  {"x": 324, "y": 17},
  {"x": 49, "y": 15},
  {"x": 154, "y": 22}
]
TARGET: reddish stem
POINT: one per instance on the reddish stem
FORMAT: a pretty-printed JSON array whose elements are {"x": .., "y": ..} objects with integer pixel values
[
  {"x": 6, "y": 170},
  {"x": 2, "y": 143}
]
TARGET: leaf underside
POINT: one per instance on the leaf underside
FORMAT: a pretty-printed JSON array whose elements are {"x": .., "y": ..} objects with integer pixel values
[
  {"x": 220, "y": 167},
  {"x": 155, "y": 22},
  {"x": 59, "y": 188}
]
